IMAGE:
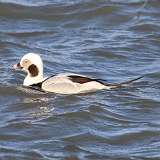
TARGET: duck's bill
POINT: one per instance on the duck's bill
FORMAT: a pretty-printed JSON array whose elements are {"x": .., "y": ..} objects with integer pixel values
[{"x": 17, "y": 66}]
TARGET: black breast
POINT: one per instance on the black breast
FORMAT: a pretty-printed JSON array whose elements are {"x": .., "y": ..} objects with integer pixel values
[
  {"x": 82, "y": 80},
  {"x": 37, "y": 86}
]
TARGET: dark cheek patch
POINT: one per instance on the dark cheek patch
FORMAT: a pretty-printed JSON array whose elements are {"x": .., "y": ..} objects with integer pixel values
[{"x": 33, "y": 70}]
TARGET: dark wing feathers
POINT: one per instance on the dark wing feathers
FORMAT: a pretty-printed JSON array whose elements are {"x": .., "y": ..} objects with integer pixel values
[{"x": 82, "y": 80}]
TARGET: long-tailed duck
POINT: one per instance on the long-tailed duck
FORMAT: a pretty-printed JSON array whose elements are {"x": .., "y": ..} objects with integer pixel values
[{"x": 66, "y": 83}]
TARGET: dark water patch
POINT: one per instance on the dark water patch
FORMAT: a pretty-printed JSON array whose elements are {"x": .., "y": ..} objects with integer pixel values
[
  {"x": 29, "y": 34},
  {"x": 46, "y": 12},
  {"x": 141, "y": 27},
  {"x": 113, "y": 40}
]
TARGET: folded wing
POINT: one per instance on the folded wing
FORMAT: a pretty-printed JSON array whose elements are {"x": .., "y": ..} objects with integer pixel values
[{"x": 71, "y": 84}]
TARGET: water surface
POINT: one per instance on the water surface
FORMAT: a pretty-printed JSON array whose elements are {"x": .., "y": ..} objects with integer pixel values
[{"x": 115, "y": 40}]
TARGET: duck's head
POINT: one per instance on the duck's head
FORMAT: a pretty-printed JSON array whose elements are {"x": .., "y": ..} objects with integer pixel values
[{"x": 32, "y": 64}]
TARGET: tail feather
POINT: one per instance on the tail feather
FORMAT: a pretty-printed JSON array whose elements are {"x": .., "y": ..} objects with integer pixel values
[{"x": 123, "y": 84}]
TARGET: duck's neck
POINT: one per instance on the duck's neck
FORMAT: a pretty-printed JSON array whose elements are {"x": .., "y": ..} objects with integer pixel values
[{"x": 28, "y": 81}]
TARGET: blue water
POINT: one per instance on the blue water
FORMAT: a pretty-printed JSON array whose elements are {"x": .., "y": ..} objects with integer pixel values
[{"x": 115, "y": 40}]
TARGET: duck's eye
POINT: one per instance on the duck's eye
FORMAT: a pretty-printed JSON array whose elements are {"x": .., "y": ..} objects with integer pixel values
[{"x": 26, "y": 61}]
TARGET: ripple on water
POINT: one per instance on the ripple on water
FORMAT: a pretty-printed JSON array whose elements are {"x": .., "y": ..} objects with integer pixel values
[{"x": 113, "y": 40}]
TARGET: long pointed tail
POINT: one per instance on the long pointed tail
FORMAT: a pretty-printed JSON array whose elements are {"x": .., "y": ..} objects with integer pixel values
[{"x": 123, "y": 84}]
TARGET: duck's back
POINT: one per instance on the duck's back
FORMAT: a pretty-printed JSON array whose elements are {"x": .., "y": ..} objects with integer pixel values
[{"x": 71, "y": 84}]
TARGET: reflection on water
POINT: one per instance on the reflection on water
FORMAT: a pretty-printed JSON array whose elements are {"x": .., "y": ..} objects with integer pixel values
[{"x": 114, "y": 40}]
